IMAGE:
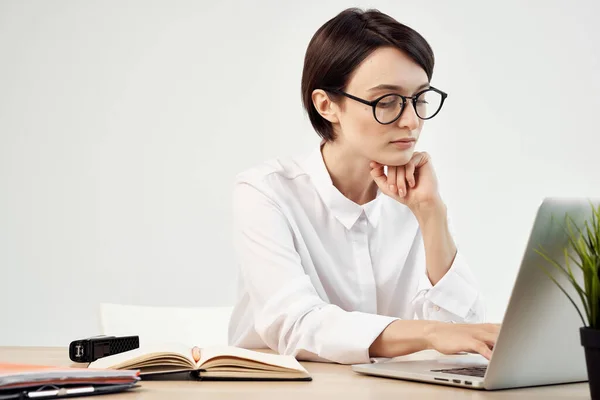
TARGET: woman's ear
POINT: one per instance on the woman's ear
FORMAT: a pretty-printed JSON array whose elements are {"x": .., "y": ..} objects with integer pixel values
[{"x": 325, "y": 106}]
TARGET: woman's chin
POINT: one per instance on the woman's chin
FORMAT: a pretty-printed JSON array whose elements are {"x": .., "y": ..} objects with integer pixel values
[{"x": 395, "y": 160}]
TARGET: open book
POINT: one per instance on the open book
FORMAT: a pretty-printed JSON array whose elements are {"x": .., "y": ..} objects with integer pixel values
[{"x": 220, "y": 362}]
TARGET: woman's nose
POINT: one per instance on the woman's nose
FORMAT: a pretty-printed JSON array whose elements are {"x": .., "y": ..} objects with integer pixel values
[{"x": 409, "y": 119}]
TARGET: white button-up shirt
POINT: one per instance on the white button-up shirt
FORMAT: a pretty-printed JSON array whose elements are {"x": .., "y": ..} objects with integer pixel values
[{"x": 320, "y": 277}]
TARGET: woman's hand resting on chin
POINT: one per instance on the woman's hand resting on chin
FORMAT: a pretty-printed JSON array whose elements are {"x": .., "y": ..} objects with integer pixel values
[{"x": 414, "y": 184}]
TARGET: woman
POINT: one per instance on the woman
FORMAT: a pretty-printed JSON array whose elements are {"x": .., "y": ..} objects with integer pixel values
[{"x": 342, "y": 259}]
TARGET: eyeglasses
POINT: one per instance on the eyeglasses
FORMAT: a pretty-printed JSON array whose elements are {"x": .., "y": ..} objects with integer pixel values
[{"x": 388, "y": 108}]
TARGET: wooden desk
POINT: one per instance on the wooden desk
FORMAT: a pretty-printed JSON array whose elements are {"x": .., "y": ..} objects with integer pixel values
[{"x": 330, "y": 382}]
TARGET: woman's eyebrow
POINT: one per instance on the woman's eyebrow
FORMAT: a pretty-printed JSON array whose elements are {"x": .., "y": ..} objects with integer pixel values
[{"x": 396, "y": 87}]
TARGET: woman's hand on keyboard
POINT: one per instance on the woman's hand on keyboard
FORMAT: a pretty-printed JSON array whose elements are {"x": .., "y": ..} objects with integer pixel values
[
  {"x": 403, "y": 337},
  {"x": 456, "y": 338}
]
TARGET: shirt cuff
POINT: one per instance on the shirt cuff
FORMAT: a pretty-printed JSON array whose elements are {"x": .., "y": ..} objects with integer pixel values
[
  {"x": 455, "y": 292},
  {"x": 355, "y": 336}
]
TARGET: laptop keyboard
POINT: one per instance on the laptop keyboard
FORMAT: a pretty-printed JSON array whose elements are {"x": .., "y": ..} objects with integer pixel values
[{"x": 470, "y": 371}]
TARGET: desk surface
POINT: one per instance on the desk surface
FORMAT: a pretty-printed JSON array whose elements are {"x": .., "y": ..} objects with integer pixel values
[{"x": 329, "y": 381}]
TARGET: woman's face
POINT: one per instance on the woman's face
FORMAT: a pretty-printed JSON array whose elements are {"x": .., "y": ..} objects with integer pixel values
[{"x": 387, "y": 70}]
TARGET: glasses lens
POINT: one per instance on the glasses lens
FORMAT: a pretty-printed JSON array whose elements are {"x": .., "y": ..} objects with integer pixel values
[
  {"x": 428, "y": 104},
  {"x": 388, "y": 108}
]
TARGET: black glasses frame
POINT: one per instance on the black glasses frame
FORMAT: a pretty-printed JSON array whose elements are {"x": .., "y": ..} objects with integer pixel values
[{"x": 405, "y": 99}]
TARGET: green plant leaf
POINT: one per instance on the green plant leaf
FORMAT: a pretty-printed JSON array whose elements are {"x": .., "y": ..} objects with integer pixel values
[
  {"x": 584, "y": 243},
  {"x": 576, "y": 285}
]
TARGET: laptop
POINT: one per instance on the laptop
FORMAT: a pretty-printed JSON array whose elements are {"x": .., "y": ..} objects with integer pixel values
[{"x": 538, "y": 342}]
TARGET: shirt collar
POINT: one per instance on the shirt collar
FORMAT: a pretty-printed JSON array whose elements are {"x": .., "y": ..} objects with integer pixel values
[{"x": 344, "y": 209}]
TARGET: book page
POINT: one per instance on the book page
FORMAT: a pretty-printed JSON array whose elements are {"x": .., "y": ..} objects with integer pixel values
[
  {"x": 254, "y": 375},
  {"x": 286, "y": 362},
  {"x": 166, "y": 354}
]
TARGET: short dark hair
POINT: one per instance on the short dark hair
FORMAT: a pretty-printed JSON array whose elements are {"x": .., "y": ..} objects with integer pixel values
[{"x": 343, "y": 42}]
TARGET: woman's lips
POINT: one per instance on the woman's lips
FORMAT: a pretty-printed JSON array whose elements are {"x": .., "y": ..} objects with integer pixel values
[{"x": 403, "y": 144}]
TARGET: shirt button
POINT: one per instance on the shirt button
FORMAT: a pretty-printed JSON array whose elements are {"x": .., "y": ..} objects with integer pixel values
[{"x": 436, "y": 308}]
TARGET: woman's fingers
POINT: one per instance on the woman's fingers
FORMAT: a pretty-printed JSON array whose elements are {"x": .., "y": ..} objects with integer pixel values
[
  {"x": 418, "y": 160},
  {"x": 456, "y": 338},
  {"x": 378, "y": 176},
  {"x": 394, "y": 183},
  {"x": 410, "y": 173},
  {"x": 481, "y": 348},
  {"x": 487, "y": 338},
  {"x": 385, "y": 183},
  {"x": 401, "y": 180},
  {"x": 391, "y": 179}
]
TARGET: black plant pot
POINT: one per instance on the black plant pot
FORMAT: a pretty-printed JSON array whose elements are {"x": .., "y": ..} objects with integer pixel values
[{"x": 590, "y": 340}]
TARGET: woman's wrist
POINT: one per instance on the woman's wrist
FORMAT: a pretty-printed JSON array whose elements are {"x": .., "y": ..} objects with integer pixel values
[
  {"x": 403, "y": 337},
  {"x": 430, "y": 210},
  {"x": 429, "y": 333}
]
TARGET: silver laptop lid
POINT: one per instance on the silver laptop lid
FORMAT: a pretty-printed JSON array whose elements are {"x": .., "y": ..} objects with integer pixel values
[{"x": 539, "y": 340}]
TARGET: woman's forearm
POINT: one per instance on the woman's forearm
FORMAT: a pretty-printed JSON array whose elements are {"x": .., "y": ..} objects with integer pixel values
[
  {"x": 402, "y": 337},
  {"x": 440, "y": 248}
]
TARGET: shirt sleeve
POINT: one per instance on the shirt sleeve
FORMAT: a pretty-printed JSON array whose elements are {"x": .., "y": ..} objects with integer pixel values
[
  {"x": 289, "y": 315},
  {"x": 455, "y": 298}
]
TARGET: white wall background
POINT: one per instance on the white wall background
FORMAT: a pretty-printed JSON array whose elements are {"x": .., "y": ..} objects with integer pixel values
[{"x": 123, "y": 123}]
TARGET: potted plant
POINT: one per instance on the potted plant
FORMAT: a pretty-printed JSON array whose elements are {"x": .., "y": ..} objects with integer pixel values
[{"x": 582, "y": 254}]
